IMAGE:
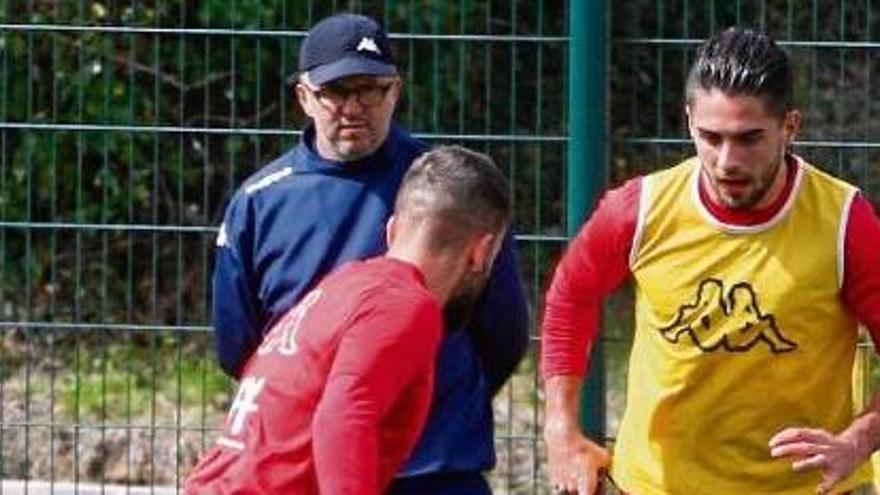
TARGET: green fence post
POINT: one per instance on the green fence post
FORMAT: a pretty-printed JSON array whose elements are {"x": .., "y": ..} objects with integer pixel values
[{"x": 587, "y": 160}]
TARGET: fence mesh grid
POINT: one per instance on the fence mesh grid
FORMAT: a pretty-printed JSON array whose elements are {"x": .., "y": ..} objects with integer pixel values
[{"x": 125, "y": 126}]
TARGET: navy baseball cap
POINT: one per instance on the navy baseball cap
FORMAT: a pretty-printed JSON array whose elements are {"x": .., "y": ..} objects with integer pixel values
[{"x": 345, "y": 45}]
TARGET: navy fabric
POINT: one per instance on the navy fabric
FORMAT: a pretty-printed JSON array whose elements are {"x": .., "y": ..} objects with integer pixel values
[
  {"x": 345, "y": 45},
  {"x": 441, "y": 484},
  {"x": 349, "y": 66},
  {"x": 301, "y": 216}
]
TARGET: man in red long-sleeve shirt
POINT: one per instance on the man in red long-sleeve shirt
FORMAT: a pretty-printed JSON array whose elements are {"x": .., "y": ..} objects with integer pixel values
[
  {"x": 751, "y": 270},
  {"x": 335, "y": 396}
]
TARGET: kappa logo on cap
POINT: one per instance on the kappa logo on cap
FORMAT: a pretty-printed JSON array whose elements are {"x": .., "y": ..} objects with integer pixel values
[{"x": 368, "y": 45}]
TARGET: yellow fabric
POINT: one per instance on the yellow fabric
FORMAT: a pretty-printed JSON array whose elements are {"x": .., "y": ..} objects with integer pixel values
[{"x": 740, "y": 332}]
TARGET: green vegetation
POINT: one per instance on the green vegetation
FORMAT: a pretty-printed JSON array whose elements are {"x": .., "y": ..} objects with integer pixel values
[{"x": 133, "y": 386}]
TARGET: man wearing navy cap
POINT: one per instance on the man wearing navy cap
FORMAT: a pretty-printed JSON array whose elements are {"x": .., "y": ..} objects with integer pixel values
[{"x": 325, "y": 202}]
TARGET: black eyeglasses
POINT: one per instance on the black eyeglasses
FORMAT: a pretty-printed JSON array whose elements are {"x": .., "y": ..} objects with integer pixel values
[{"x": 333, "y": 96}]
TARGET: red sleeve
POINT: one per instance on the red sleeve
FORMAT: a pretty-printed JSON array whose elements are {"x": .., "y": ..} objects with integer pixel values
[
  {"x": 389, "y": 344},
  {"x": 596, "y": 263},
  {"x": 861, "y": 280}
]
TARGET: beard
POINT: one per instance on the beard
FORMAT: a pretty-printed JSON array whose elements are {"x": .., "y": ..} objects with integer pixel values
[
  {"x": 458, "y": 310},
  {"x": 759, "y": 185}
]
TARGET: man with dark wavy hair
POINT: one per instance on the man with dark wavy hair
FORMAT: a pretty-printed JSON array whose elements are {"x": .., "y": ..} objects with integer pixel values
[{"x": 751, "y": 270}]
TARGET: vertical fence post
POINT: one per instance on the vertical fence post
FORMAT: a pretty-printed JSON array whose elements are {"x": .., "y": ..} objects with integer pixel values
[{"x": 587, "y": 73}]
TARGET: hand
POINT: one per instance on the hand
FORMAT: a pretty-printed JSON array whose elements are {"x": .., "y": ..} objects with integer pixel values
[
  {"x": 836, "y": 457},
  {"x": 575, "y": 463}
]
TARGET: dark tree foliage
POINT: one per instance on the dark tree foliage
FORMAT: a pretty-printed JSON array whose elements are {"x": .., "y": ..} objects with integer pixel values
[{"x": 149, "y": 114}]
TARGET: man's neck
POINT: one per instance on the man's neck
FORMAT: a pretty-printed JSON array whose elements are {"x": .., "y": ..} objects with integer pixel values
[{"x": 438, "y": 279}]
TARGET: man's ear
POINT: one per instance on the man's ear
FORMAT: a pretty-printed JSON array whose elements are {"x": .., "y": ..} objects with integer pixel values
[
  {"x": 482, "y": 253},
  {"x": 791, "y": 125},
  {"x": 302, "y": 98},
  {"x": 687, "y": 115},
  {"x": 390, "y": 230},
  {"x": 396, "y": 89}
]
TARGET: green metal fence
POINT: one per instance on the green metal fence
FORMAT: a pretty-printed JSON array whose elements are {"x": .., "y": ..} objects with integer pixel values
[{"x": 125, "y": 125}]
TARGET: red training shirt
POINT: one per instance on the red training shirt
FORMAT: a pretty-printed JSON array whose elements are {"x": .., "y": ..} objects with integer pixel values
[{"x": 335, "y": 397}]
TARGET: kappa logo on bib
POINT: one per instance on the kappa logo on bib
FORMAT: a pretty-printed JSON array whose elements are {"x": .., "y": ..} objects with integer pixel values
[{"x": 730, "y": 321}]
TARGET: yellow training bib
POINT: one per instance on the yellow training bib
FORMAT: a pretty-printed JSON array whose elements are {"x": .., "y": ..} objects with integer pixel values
[{"x": 740, "y": 333}]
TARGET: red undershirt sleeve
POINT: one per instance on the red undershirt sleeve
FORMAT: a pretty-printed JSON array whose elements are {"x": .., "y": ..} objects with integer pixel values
[
  {"x": 595, "y": 263},
  {"x": 389, "y": 344},
  {"x": 861, "y": 281}
]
